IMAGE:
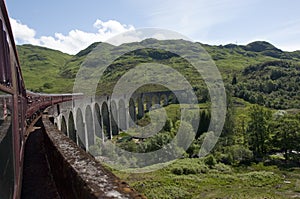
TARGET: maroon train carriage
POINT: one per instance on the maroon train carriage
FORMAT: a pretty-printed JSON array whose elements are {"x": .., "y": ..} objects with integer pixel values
[
  {"x": 12, "y": 112},
  {"x": 17, "y": 107}
]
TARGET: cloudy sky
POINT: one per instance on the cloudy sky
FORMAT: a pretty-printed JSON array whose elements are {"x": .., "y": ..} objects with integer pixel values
[{"x": 72, "y": 25}]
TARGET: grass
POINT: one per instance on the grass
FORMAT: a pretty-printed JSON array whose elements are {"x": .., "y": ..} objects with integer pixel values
[
  {"x": 195, "y": 178},
  {"x": 41, "y": 67},
  {"x": 219, "y": 181}
]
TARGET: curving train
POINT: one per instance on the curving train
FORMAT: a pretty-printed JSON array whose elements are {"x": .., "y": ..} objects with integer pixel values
[
  {"x": 37, "y": 102},
  {"x": 18, "y": 107}
]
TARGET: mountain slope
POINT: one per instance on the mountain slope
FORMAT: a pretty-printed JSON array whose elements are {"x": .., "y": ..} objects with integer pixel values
[
  {"x": 47, "y": 70},
  {"x": 41, "y": 67},
  {"x": 274, "y": 84}
]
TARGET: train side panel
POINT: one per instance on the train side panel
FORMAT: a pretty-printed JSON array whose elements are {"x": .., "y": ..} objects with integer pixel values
[
  {"x": 12, "y": 100},
  {"x": 17, "y": 108}
]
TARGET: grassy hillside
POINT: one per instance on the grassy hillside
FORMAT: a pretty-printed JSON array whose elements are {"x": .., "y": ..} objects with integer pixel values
[
  {"x": 213, "y": 176},
  {"x": 193, "y": 178},
  {"x": 46, "y": 70},
  {"x": 41, "y": 69},
  {"x": 274, "y": 84}
]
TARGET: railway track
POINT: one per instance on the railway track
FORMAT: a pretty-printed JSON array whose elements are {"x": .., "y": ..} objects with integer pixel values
[{"x": 37, "y": 177}]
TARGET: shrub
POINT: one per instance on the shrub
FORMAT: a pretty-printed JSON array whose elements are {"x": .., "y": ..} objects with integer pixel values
[
  {"x": 188, "y": 166},
  {"x": 48, "y": 85},
  {"x": 177, "y": 171},
  {"x": 260, "y": 178},
  {"x": 225, "y": 158},
  {"x": 223, "y": 168},
  {"x": 239, "y": 154},
  {"x": 210, "y": 160},
  {"x": 168, "y": 125}
]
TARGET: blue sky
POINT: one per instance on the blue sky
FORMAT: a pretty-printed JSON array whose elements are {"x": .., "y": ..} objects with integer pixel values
[{"x": 71, "y": 25}]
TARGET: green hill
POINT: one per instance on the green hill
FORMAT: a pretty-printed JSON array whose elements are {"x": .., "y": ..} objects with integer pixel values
[
  {"x": 275, "y": 84},
  {"x": 41, "y": 69},
  {"x": 253, "y": 67}
]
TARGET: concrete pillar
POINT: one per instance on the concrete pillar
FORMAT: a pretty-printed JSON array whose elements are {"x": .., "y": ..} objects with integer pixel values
[
  {"x": 123, "y": 115},
  {"x": 141, "y": 111},
  {"x": 148, "y": 103},
  {"x": 89, "y": 127}
]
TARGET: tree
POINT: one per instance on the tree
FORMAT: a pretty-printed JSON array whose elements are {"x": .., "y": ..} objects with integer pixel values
[
  {"x": 229, "y": 125},
  {"x": 260, "y": 100},
  {"x": 203, "y": 123},
  {"x": 287, "y": 135},
  {"x": 168, "y": 125},
  {"x": 240, "y": 130},
  {"x": 258, "y": 130},
  {"x": 234, "y": 80}
]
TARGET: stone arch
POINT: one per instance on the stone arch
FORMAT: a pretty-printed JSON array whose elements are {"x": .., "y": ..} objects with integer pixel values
[
  {"x": 122, "y": 115},
  {"x": 63, "y": 126},
  {"x": 80, "y": 129},
  {"x": 106, "y": 120},
  {"x": 89, "y": 126},
  {"x": 163, "y": 100},
  {"x": 97, "y": 121},
  {"x": 172, "y": 99},
  {"x": 71, "y": 125},
  {"x": 132, "y": 112},
  {"x": 114, "y": 118},
  {"x": 141, "y": 111}
]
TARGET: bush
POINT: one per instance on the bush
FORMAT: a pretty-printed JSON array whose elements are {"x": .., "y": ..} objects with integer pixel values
[
  {"x": 210, "y": 160},
  {"x": 225, "y": 158},
  {"x": 238, "y": 154},
  {"x": 188, "y": 166},
  {"x": 189, "y": 169},
  {"x": 177, "y": 171},
  {"x": 48, "y": 85},
  {"x": 168, "y": 125},
  {"x": 193, "y": 149},
  {"x": 223, "y": 168},
  {"x": 260, "y": 178}
]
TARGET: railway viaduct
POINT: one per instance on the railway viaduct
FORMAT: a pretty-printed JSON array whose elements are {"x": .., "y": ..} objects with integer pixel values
[{"x": 85, "y": 119}]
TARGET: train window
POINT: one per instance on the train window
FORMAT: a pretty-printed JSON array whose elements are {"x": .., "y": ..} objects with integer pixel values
[
  {"x": 2, "y": 56},
  {"x": 7, "y": 60},
  {"x": 5, "y": 71},
  {"x": 6, "y": 146}
]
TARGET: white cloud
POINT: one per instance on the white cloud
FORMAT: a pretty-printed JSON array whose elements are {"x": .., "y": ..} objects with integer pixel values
[
  {"x": 22, "y": 32},
  {"x": 111, "y": 27},
  {"x": 74, "y": 41}
]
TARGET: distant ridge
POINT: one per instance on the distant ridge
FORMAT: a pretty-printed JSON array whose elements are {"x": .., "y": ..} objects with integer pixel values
[
  {"x": 260, "y": 46},
  {"x": 275, "y": 71}
]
